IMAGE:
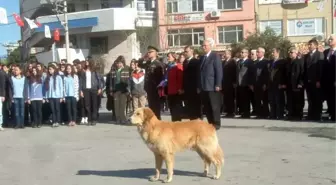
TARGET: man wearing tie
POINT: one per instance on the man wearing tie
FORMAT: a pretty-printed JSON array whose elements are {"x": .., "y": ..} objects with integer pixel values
[
  {"x": 312, "y": 80},
  {"x": 328, "y": 82},
  {"x": 277, "y": 85},
  {"x": 246, "y": 79},
  {"x": 210, "y": 83},
  {"x": 261, "y": 84},
  {"x": 192, "y": 100}
]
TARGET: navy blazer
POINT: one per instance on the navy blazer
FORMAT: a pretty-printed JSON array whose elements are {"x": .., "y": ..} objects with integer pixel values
[{"x": 211, "y": 73}]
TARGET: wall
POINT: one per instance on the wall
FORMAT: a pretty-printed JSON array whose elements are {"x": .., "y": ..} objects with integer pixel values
[
  {"x": 296, "y": 11},
  {"x": 243, "y": 16}
]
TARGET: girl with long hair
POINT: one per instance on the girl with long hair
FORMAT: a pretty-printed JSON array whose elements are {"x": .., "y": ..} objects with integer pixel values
[
  {"x": 91, "y": 87},
  {"x": 54, "y": 93},
  {"x": 81, "y": 105},
  {"x": 71, "y": 93},
  {"x": 35, "y": 97}
]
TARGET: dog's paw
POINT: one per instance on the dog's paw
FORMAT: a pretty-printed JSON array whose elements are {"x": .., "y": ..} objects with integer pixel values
[
  {"x": 167, "y": 180},
  {"x": 215, "y": 177},
  {"x": 153, "y": 178},
  {"x": 205, "y": 174}
]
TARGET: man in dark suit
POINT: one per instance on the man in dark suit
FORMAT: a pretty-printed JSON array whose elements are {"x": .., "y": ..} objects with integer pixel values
[
  {"x": 277, "y": 85},
  {"x": 312, "y": 79},
  {"x": 210, "y": 83},
  {"x": 246, "y": 79},
  {"x": 261, "y": 84},
  {"x": 294, "y": 84},
  {"x": 328, "y": 75},
  {"x": 229, "y": 83},
  {"x": 153, "y": 77},
  {"x": 192, "y": 99}
]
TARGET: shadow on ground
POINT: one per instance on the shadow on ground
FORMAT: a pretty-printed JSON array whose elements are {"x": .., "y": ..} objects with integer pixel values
[
  {"x": 329, "y": 133},
  {"x": 140, "y": 173}
]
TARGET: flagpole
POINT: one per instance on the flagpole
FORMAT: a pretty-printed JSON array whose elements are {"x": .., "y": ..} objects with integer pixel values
[{"x": 66, "y": 29}]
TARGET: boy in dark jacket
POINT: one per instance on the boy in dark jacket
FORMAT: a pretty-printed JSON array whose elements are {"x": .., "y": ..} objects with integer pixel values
[{"x": 119, "y": 89}]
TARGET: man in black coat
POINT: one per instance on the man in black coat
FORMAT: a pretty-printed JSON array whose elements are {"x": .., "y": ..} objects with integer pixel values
[
  {"x": 328, "y": 75},
  {"x": 153, "y": 77},
  {"x": 3, "y": 88},
  {"x": 210, "y": 84},
  {"x": 229, "y": 83},
  {"x": 192, "y": 99},
  {"x": 277, "y": 85},
  {"x": 245, "y": 82},
  {"x": 261, "y": 84},
  {"x": 312, "y": 80},
  {"x": 294, "y": 84}
]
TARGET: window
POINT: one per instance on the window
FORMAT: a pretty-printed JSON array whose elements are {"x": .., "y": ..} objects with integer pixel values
[
  {"x": 111, "y": 3},
  {"x": 71, "y": 7},
  {"x": 229, "y": 4},
  {"x": 197, "y": 6},
  {"x": 230, "y": 34},
  {"x": 99, "y": 45},
  {"x": 146, "y": 5},
  {"x": 302, "y": 27},
  {"x": 185, "y": 37},
  {"x": 85, "y": 6},
  {"x": 172, "y": 7},
  {"x": 275, "y": 25}
]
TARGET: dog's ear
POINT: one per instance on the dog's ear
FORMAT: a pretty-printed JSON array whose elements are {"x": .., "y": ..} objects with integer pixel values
[{"x": 148, "y": 114}]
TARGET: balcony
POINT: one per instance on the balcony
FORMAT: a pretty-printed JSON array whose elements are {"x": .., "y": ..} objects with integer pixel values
[
  {"x": 146, "y": 19},
  {"x": 111, "y": 19}
]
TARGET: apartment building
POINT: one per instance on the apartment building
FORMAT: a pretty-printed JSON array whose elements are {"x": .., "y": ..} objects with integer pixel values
[
  {"x": 105, "y": 27},
  {"x": 297, "y": 20},
  {"x": 189, "y": 22}
]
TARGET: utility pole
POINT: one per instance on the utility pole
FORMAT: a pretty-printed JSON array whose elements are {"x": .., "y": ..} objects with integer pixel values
[{"x": 66, "y": 31}]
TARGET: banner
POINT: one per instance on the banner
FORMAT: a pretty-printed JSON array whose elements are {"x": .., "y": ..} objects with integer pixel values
[{"x": 3, "y": 16}]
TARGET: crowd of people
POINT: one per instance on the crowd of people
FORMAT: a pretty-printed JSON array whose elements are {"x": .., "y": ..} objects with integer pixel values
[
  {"x": 56, "y": 94},
  {"x": 189, "y": 85}
]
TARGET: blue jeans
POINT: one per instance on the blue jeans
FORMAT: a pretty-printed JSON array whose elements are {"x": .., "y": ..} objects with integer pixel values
[{"x": 19, "y": 111}]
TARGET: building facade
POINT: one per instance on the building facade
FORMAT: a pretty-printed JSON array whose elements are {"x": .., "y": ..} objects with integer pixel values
[
  {"x": 106, "y": 28},
  {"x": 189, "y": 22},
  {"x": 297, "y": 20}
]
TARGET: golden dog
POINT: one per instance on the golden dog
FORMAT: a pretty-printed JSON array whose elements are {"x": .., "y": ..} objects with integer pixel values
[{"x": 165, "y": 138}]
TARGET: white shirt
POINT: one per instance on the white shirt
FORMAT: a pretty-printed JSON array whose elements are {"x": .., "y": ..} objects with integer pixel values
[
  {"x": 207, "y": 55},
  {"x": 261, "y": 59},
  {"x": 88, "y": 79}
]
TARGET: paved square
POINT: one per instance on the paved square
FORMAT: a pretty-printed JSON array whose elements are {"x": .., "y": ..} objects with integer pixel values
[{"x": 115, "y": 154}]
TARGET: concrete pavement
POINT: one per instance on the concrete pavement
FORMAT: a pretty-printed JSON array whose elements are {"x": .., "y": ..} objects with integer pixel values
[{"x": 257, "y": 152}]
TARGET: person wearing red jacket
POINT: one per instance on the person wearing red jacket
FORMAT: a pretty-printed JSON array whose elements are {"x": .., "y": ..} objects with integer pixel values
[{"x": 174, "y": 87}]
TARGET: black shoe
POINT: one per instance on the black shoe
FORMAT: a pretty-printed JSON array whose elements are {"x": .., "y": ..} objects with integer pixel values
[
  {"x": 230, "y": 115},
  {"x": 94, "y": 123}
]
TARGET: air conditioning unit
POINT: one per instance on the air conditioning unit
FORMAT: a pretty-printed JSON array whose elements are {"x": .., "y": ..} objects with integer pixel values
[{"x": 215, "y": 13}]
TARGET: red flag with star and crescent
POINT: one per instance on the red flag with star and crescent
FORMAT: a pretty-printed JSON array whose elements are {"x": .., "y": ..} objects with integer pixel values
[
  {"x": 18, "y": 20},
  {"x": 56, "y": 35}
]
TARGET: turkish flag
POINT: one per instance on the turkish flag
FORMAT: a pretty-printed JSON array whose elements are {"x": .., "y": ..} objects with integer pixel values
[
  {"x": 56, "y": 35},
  {"x": 18, "y": 20}
]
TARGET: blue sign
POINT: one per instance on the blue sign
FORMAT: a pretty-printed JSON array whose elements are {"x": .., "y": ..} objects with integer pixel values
[{"x": 299, "y": 24}]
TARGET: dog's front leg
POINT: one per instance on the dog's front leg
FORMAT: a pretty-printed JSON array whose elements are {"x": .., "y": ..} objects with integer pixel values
[
  {"x": 158, "y": 166},
  {"x": 170, "y": 167}
]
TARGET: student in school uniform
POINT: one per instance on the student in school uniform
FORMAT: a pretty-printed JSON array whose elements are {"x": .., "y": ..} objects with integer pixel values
[
  {"x": 71, "y": 93},
  {"x": 19, "y": 83},
  {"x": 35, "y": 97},
  {"x": 54, "y": 93}
]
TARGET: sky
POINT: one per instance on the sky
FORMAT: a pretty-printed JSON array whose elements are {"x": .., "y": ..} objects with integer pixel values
[{"x": 9, "y": 33}]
